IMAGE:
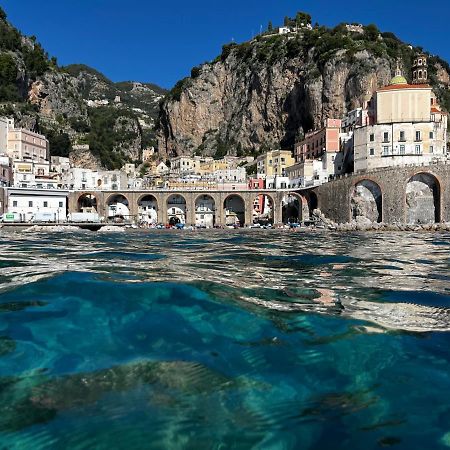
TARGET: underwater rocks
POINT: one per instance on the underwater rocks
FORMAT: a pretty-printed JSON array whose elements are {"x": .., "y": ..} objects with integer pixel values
[{"x": 44, "y": 397}]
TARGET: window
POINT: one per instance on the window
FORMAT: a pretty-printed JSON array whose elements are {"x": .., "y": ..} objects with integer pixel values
[
  {"x": 431, "y": 149},
  {"x": 45, "y": 204},
  {"x": 418, "y": 150},
  {"x": 372, "y": 152},
  {"x": 173, "y": 210},
  {"x": 402, "y": 149},
  {"x": 30, "y": 204},
  {"x": 270, "y": 161},
  {"x": 431, "y": 135},
  {"x": 402, "y": 136},
  {"x": 418, "y": 136},
  {"x": 283, "y": 160},
  {"x": 60, "y": 204},
  {"x": 385, "y": 150},
  {"x": 15, "y": 204},
  {"x": 386, "y": 137}
]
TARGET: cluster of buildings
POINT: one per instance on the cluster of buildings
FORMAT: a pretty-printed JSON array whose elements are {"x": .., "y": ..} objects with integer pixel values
[
  {"x": 401, "y": 124},
  {"x": 197, "y": 172}
]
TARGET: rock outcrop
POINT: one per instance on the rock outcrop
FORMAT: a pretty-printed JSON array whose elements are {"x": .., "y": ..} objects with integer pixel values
[
  {"x": 266, "y": 92},
  {"x": 64, "y": 102}
]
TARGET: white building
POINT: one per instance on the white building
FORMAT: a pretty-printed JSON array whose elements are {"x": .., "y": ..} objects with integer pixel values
[
  {"x": 238, "y": 175},
  {"x": 148, "y": 210},
  {"x": 407, "y": 127},
  {"x": 204, "y": 212},
  {"x": 36, "y": 205},
  {"x": 59, "y": 165},
  {"x": 277, "y": 182}
]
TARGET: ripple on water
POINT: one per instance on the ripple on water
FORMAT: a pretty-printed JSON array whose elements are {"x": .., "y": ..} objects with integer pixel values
[{"x": 240, "y": 339}]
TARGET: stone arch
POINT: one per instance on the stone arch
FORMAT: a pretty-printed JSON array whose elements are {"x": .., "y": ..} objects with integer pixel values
[
  {"x": 366, "y": 201},
  {"x": 87, "y": 202},
  {"x": 263, "y": 209},
  {"x": 234, "y": 208},
  {"x": 148, "y": 209},
  {"x": 205, "y": 211},
  {"x": 312, "y": 202},
  {"x": 293, "y": 206},
  {"x": 423, "y": 199},
  {"x": 176, "y": 209},
  {"x": 118, "y": 206}
]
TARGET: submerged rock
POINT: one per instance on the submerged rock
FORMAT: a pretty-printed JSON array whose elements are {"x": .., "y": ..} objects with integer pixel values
[
  {"x": 7, "y": 345},
  {"x": 43, "y": 400}
]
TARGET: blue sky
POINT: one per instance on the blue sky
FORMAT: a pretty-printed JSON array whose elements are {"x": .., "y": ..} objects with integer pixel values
[{"x": 161, "y": 41}]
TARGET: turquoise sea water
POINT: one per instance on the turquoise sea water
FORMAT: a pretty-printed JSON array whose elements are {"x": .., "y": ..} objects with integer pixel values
[{"x": 224, "y": 339}]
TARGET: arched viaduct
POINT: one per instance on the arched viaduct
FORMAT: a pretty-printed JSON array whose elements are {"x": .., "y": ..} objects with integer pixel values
[
  {"x": 413, "y": 194},
  {"x": 168, "y": 204},
  {"x": 410, "y": 194}
]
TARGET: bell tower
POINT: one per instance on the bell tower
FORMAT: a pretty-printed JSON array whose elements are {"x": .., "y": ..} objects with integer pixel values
[{"x": 420, "y": 69}]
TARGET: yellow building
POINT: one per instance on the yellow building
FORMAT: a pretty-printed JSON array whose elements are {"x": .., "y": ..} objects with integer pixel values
[
  {"x": 274, "y": 163},
  {"x": 210, "y": 165}
]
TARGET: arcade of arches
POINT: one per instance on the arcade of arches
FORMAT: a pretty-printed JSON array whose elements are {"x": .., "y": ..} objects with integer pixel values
[{"x": 402, "y": 195}]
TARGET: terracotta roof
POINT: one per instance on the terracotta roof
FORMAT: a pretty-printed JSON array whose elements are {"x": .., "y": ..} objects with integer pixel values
[
  {"x": 392, "y": 87},
  {"x": 435, "y": 110}
]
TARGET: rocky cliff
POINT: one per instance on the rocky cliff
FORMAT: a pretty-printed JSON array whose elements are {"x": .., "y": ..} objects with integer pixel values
[
  {"x": 265, "y": 93},
  {"x": 73, "y": 105}
]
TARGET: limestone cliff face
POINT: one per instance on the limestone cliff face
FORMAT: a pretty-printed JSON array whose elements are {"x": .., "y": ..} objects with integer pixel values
[
  {"x": 246, "y": 102},
  {"x": 265, "y": 104},
  {"x": 57, "y": 94},
  {"x": 84, "y": 159}
]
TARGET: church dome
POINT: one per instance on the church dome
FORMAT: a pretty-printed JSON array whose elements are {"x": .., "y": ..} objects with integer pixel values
[{"x": 398, "y": 79}]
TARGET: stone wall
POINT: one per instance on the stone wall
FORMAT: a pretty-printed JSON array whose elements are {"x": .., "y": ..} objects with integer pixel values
[{"x": 335, "y": 198}]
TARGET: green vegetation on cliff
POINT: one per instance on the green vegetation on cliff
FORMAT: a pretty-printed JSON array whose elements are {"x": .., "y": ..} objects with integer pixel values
[
  {"x": 35, "y": 60},
  {"x": 319, "y": 45},
  {"x": 58, "y": 104},
  {"x": 105, "y": 135}
]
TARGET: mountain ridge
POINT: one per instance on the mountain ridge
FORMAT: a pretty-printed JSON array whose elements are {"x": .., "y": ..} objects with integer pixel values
[
  {"x": 68, "y": 104},
  {"x": 268, "y": 92}
]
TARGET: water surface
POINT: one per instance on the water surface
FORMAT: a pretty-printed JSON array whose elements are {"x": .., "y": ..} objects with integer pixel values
[{"x": 224, "y": 339}]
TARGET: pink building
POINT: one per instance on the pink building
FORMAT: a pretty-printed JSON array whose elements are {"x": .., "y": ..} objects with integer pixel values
[
  {"x": 317, "y": 143},
  {"x": 256, "y": 183}
]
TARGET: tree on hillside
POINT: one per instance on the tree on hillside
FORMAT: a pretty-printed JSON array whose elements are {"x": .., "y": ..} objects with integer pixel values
[
  {"x": 371, "y": 32},
  {"x": 303, "y": 18}
]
